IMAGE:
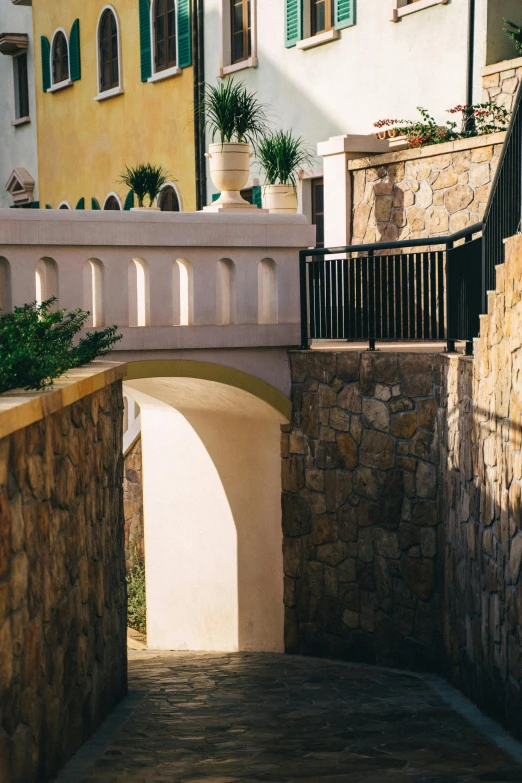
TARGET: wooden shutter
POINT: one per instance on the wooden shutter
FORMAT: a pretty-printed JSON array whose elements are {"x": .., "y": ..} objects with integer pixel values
[
  {"x": 344, "y": 13},
  {"x": 46, "y": 63},
  {"x": 74, "y": 52},
  {"x": 293, "y": 22},
  {"x": 81, "y": 204},
  {"x": 48, "y": 206},
  {"x": 95, "y": 204},
  {"x": 215, "y": 196},
  {"x": 129, "y": 201},
  {"x": 145, "y": 47},
  {"x": 184, "y": 34},
  {"x": 256, "y": 197}
]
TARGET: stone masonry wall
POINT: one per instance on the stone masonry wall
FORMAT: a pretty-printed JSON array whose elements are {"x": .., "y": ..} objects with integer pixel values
[
  {"x": 133, "y": 505},
  {"x": 62, "y": 584},
  {"x": 363, "y": 577},
  {"x": 500, "y": 82},
  {"x": 480, "y": 431},
  {"x": 426, "y": 192}
]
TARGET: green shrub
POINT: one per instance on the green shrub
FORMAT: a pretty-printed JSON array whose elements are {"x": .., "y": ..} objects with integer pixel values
[
  {"x": 515, "y": 33},
  {"x": 281, "y": 155},
  {"x": 37, "y": 344},
  {"x": 136, "y": 601},
  {"x": 232, "y": 113},
  {"x": 145, "y": 179}
]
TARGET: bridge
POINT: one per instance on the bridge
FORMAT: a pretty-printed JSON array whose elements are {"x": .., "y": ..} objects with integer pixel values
[{"x": 208, "y": 306}]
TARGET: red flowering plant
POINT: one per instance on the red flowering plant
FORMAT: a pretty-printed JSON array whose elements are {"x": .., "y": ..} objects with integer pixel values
[{"x": 481, "y": 118}]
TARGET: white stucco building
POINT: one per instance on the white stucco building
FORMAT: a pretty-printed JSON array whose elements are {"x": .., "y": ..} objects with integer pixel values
[
  {"x": 334, "y": 67},
  {"x": 18, "y": 150}
]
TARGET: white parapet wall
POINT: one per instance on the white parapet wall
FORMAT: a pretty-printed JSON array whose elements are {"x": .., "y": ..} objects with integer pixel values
[{"x": 168, "y": 280}]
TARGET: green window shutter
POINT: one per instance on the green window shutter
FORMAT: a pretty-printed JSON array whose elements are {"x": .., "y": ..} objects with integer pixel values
[
  {"x": 293, "y": 22},
  {"x": 184, "y": 34},
  {"x": 95, "y": 204},
  {"x": 256, "y": 197},
  {"x": 46, "y": 63},
  {"x": 215, "y": 196},
  {"x": 129, "y": 201},
  {"x": 344, "y": 13},
  {"x": 81, "y": 204},
  {"x": 48, "y": 206},
  {"x": 74, "y": 52},
  {"x": 145, "y": 48}
]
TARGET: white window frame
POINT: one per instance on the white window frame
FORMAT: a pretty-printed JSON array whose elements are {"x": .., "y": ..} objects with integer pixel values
[
  {"x": 55, "y": 86},
  {"x": 102, "y": 96},
  {"x": 107, "y": 197},
  {"x": 166, "y": 73},
  {"x": 63, "y": 204},
  {"x": 226, "y": 66},
  {"x": 175, "y": 188},
  {"x": 400, "y": 8}
]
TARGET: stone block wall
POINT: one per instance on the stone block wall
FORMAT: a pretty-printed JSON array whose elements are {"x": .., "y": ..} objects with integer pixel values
[
  {"x": 432, "y": 191},
  {"x": 480, "y": 431},
  {"x": 362, "y": 546},
  {"x": 62, "y": 581},
  {"x": 133, "y": 505},
  {"x": 501, "y": 81}
]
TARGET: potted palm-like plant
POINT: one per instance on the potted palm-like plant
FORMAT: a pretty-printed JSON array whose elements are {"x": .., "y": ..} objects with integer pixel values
[
  {"x": 281, "y": 155},
  {"x": 145, "y": 179},
  {"x": 237, "y": 119}
]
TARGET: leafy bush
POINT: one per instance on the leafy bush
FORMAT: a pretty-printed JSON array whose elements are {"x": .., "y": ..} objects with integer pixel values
[
  {"x": 281, "y": 154},
  {"x": 145, "y": 179},
  {"x": 36, "y": 344},
  {"x": 136, "y": 601},
  {"x": 232, "y": 113},
  {"x": 514, "y": 31},
  {"x": 477, "y": 119}
]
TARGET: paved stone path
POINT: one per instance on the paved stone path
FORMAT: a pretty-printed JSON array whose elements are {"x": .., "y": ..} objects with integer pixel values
[{"x": 234, "y": 718}]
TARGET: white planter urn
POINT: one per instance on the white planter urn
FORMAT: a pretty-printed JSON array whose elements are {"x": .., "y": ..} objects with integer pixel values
[
  {"x": 280, "y": 199},
  {"x": 229, "y": 164}
]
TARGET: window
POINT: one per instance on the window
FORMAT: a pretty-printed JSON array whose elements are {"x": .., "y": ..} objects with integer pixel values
[
  {"x": 168, "y": 200},
  {"x": 21, "y": 87},
  {"x": 64, "y": 205},
  {"x": 60, "y": 58},
  {"x": 321, "y": 16},
  {"x": 405, "y": 7},
  {"x": 108, "y": 51},
  {"x": 318, "y": 209},
  {"x": 165, "y": 46},
  {"x": 112, "y": 203},
  {"x": 241, "y": 30}
]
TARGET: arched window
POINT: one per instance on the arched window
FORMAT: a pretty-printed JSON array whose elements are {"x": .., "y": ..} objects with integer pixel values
[
  {"x": 60, "y": 58},
  {"x": 108, "y": 51},
  {"x": 165, "y": 48},
  {"x": 241, "y": 32},
  {"x": 112, "y": 203},
  {"x": 168, "y": 200},
  {"x": 64, "y": 205}
]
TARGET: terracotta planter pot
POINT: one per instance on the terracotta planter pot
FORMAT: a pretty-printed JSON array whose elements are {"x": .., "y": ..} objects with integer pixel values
[
  {"x": 280, "y": 199},
  {"x": 229, "y": 171}
]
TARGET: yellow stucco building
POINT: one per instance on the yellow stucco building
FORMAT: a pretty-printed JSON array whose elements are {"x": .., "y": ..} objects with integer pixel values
[{"x": 114, "y": 86}]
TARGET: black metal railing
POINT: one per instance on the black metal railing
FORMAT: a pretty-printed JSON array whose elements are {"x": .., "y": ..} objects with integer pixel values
[
  {"x": 377, "y": 293},
  {"x": 503, "y": 214},
  {"x": 416, "y": 289}
]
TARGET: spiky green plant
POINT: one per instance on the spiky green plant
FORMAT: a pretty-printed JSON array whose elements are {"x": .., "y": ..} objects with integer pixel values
[
  {"x": 232, "y": 113},
  {"x": 281, "y": 155},
  {"x": 144, "y": 179},
  {"x": 514, "y": 31},
  {"x": 38, "y": 344}
]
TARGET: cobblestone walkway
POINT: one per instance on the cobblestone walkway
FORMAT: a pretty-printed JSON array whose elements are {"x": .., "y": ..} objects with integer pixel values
[{"x": 245, "y": 717}]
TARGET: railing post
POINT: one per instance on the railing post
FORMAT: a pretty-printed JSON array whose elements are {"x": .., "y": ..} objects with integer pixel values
[
  {"x": 371, "y": 301},
  {"x": 450, "y": 344},
  {"x": 304, "y": 304}
]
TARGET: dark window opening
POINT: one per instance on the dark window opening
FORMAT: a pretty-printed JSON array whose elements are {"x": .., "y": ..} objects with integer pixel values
[
  {"x": 21, "y": 86},
  {"x": 109, "y": 64},
  {"x": 241, "y": 30},
  {"x": 318, "y": 210},
  {"x": 165, "y": 34},
  {"x": 60, "y": 59},
  {"x": 112, "y": 203},
  {"x": 168, "y": 201},
  {"x": 322, "y": 15}
]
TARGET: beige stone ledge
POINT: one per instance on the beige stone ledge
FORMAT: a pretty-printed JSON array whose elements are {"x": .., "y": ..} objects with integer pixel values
[
  {"x": 20, "y": 408},
  {"x": 505, "y": 65},
  {"x": 431, "y": 151}
]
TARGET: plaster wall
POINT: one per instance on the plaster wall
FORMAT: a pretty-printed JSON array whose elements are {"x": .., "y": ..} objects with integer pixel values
[
  {"x": 17, "y": 143},
  {"x": 374, "y": 70},
  {"x": 212, "y": 516},
  {"x": 85, "y": 144}
]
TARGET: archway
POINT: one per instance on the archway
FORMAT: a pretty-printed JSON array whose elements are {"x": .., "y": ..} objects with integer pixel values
[{"x": 212, "y": 510}]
